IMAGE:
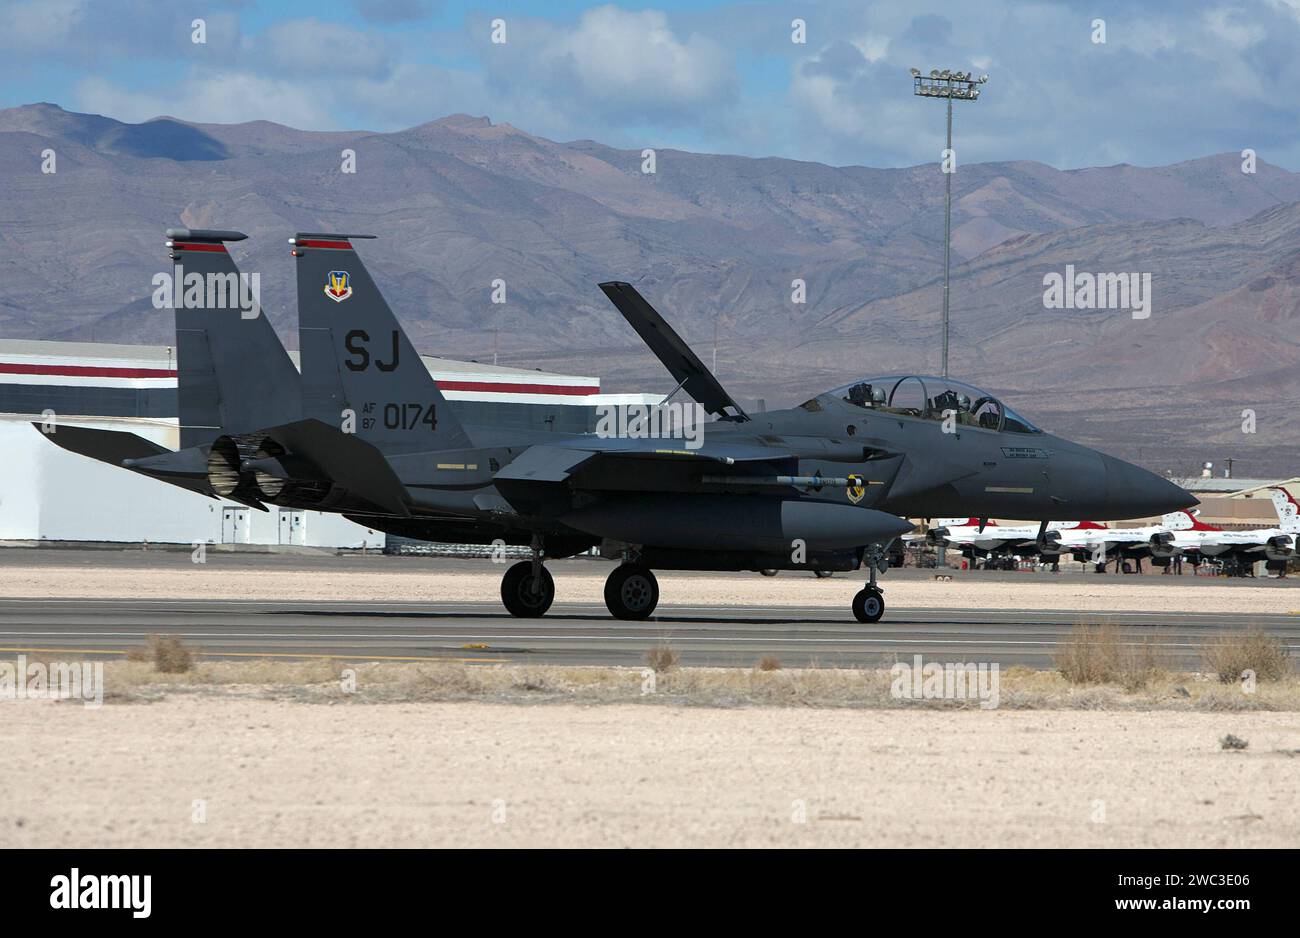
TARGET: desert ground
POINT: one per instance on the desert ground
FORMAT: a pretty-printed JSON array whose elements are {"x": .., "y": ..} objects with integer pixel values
[
  {"x": 206, "y": 770},
  {"x": 260, "y": 753}
]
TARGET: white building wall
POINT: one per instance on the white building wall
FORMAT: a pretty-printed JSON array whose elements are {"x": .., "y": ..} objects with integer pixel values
[{"x": 48, "y": 493}]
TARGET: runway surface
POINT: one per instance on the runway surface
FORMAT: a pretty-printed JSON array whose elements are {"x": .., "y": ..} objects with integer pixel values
[{"x": 585, "y": 634}]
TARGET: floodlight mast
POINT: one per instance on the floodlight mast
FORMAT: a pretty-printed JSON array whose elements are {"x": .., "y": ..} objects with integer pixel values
[{"x": 947, "y": 84}]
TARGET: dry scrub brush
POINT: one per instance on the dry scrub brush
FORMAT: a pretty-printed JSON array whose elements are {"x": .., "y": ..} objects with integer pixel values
[
  {"x": 1104, "y": 654},
  {"x": 1230, "y": 655},
  {"x": 168, "y": 653}
]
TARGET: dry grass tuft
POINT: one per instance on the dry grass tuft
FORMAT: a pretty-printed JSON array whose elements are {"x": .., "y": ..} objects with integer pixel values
[
  {"x": 769, "y": 663},
  {"x": 662, "y": 658},
  {"x": 1088, "y": 655},
  {"x": 167, "y": 652},
  {"x": 1105, "y": 654},
  {"x": 1229, "y": 656}
]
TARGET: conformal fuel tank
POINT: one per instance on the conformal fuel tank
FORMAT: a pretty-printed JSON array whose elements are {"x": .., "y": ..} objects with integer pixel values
[{"x": 737, "y": 522}]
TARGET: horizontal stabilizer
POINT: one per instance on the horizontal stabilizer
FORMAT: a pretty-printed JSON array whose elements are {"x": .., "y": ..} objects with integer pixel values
[
  {"x": 186, "y": 469},
  {"x": 111, "y": 446}
]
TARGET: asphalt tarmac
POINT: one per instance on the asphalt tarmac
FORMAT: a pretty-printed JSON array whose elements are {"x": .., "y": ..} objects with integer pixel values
[
  {"x": 585, "y": 634},
  {"x": 573, "y": 632}
]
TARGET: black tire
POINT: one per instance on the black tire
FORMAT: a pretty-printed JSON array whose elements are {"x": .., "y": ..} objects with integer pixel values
[
  {"x": 632, "y": 592},
  {"x": 823, "y": 574},
  {"x": 868, "y": 605},
  {"x": 519, "y": 596},
  {"x": 768, "y": 572}
]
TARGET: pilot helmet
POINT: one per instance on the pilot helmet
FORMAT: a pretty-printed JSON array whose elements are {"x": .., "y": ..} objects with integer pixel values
[{"x": 866, "y": 395}]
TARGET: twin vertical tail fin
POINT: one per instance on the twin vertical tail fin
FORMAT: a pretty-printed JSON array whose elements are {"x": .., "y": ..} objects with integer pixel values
[
  {"x": 357, "y": 363},
  {"x": 1288, "y": 510},
  {"x": 233, "y": 375}
]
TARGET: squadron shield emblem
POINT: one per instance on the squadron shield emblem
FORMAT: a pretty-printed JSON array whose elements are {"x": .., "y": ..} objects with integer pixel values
[
  {"x": 857, "y": 488},
  {"x": 339, "y": 286}
]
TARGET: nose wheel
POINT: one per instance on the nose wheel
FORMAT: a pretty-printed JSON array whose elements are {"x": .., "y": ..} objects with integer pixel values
[
  {"x": 631, "y": 592},
  {"x": 869, "y": 604}
]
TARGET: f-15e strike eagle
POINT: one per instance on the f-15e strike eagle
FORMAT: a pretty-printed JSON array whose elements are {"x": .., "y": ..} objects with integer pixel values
[{"x": 364, "y": 431}]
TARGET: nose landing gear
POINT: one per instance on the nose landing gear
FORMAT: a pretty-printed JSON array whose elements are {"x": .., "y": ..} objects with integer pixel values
[{"x": 869, "y": 604}]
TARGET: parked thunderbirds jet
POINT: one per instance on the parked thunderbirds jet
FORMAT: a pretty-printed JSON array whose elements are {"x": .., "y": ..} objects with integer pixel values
[
  {"x": 365, "y": 432},
  {"x": 1179, "y": 533},
  {"x": 1240, "y": 550},
  {"x": 987, "y": 540},
  {"x": 1085, "y": 541}
]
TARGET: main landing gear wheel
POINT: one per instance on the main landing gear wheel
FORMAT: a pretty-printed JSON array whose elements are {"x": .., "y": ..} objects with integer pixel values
[
  {"x": 526, "y": 595},
  {"x": 631, "y": 592},
  {"x": 868, "y": 605}
]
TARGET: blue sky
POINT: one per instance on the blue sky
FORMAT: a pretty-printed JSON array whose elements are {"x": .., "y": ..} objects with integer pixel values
[{"x": 1174, "y": 80}]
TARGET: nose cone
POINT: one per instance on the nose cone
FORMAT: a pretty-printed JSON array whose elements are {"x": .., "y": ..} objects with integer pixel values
[{"x": 1133, "y": 492}]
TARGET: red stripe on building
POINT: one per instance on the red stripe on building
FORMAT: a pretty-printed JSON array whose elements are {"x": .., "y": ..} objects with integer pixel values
[
  {"x": 337, "y": 245},
  {"x": 98, "y": 371},
  {"x": 85, "y": 371},
  {"x": 572, "y": 390}
]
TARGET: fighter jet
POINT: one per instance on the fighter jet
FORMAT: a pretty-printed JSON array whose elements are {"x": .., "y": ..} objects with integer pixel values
[
  {"x": 992, "y": 543},
  {"x": 820, "y": 486},
  {"x": 1085, "y": 541},
  {"x": 1239, "y": 551}
]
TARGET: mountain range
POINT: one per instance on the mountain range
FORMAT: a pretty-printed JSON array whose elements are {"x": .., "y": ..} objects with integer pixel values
[{"x": 716, "y": 243}]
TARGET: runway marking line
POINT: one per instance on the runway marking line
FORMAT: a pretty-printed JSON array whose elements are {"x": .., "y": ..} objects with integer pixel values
[{"x": 266, "y": 654}]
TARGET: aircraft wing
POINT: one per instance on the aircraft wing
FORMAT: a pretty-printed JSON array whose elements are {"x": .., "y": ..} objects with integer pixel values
[
  {"x": 683, "y": 364},
  {"x": 547, "y": 473},
  {"x": 564, "y": 463}
]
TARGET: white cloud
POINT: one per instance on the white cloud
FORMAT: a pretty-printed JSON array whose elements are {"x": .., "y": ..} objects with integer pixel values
[
  {"x": 38, "y": 25},
  {"x": 310, "y": 47},
  {"x": 635, "y": 58},
  {"x": 613, "y": 60},
  {"x": 94, "y": 31},
  {"x": 213, "y": 97},
  {"x": 1234, "y": 28}
]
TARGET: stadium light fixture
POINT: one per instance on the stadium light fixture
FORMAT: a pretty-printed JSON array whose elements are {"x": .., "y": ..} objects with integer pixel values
[{"x": 948, "y": 84}]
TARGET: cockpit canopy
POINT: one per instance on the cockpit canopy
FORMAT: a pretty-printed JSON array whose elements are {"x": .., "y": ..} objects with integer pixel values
[{"x": 932, "y": 398}]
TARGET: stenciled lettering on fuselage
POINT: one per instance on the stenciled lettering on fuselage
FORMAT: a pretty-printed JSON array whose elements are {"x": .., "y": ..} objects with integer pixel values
[
  {"x": 357, "y": 343},
  {"x": 1023, "y": 452},
  {"x": 395, "y": 416}
]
